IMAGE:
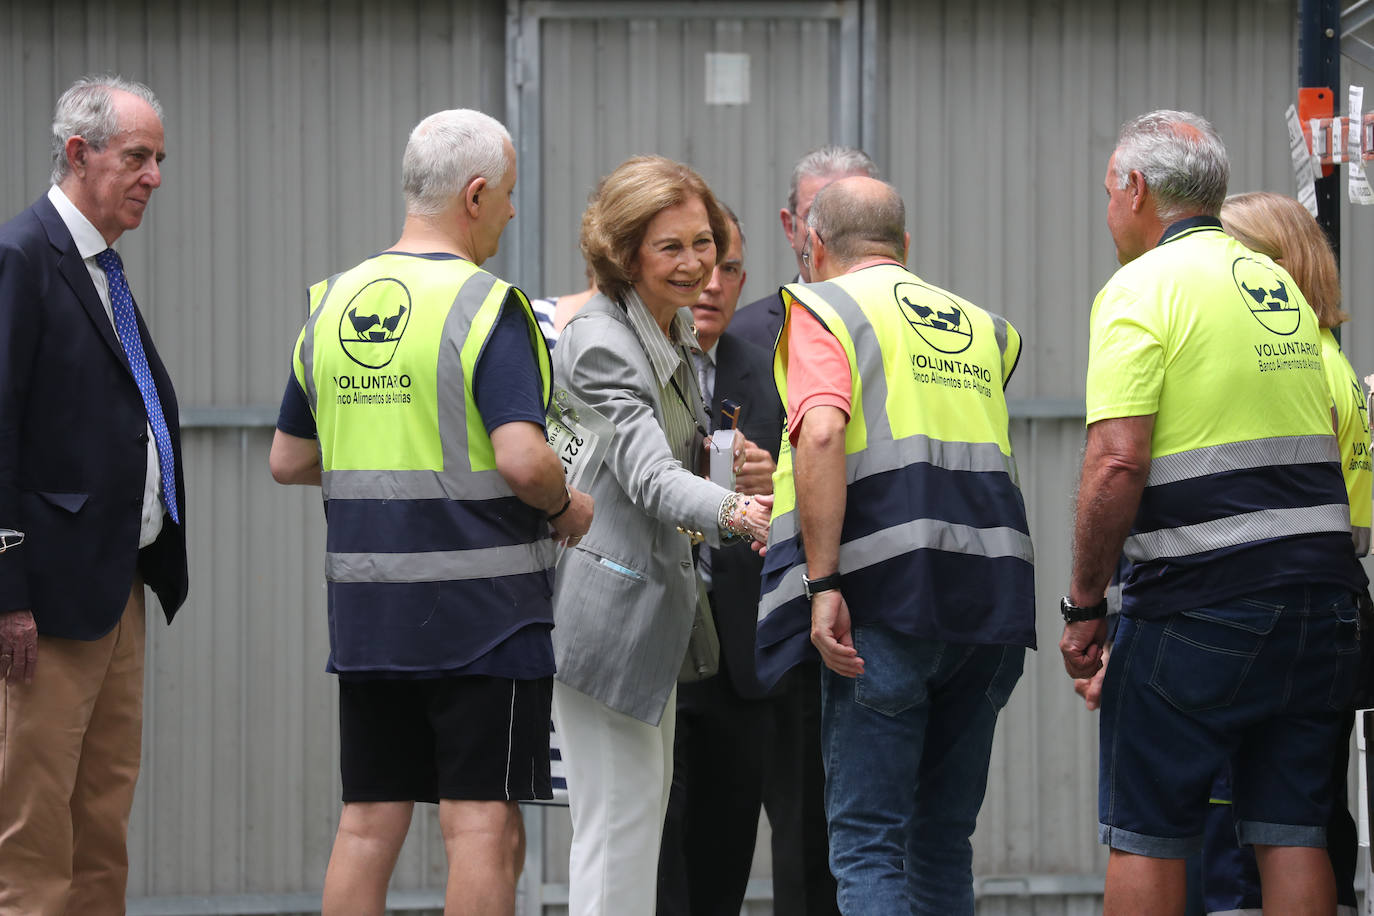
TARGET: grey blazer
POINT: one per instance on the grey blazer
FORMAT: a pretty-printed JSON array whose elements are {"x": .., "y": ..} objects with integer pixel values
[{"x": 625, "y": 597}]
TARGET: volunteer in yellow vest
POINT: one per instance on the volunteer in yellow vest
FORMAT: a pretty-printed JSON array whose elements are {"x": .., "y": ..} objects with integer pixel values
[
  {"x": 902, "y": 543},
  {"x": 417, "y": 402},
  {"x": 1210, "y": 462}
]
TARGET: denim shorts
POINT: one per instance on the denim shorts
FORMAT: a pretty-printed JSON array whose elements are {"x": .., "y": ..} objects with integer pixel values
[{"x": 1257, "y": 684}]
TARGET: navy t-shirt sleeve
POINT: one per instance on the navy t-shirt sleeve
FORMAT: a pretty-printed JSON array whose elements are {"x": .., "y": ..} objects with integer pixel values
[
  {"x": 295, "y": 418},
  {"x": 506, "y": 383}
]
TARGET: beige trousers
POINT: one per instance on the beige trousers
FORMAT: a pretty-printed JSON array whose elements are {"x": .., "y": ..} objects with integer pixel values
[{"x": 70, "y": 744}]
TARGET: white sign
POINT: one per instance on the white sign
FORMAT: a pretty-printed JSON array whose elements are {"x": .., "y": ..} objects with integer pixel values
[
  {"x": 727, "y": 78},
  {"x": 1358, "y": 185},
  {"x": 1302, "y": 162}
]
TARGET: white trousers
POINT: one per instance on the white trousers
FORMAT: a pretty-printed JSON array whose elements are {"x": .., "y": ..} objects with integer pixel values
[{"x": 619, "y": 772}]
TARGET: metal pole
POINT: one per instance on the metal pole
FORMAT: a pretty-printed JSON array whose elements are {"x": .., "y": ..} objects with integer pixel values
[{"x": 1319, "y": 65}]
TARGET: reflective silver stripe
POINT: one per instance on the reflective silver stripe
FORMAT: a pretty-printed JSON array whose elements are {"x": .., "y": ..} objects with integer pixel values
[
  {"x": 308, "y": 345},
  {"x": 440, "y": 565},
  {"x": 449, "y": 379},
  {"x": 1234, "y": 530},
  {"x": 869, "y": 353},
  {"x": 999, "y": 330},
  {"x": 1361, "y": 536},
  {"x": 782, "y": 527},
  {"x": 1234, "y": 456},
  {"x": 892, "y": 455},
  {"x": 414, "y": 485},
  {"x": 899, "y": 540}
]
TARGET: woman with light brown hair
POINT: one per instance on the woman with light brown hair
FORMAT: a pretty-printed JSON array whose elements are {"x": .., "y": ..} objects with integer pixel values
[
  {"x": 1283, "y": 229},
  {"x": 626, "y": 598}
]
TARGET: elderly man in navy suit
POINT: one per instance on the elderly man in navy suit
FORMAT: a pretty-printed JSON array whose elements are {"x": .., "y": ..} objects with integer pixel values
[{"x": 91, "y": 473}]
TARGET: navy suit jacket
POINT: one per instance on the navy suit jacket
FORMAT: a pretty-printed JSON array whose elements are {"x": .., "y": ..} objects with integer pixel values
[
  {"x": 744, "y": 374},
  {"x": 759, "y": 321},
  {"x": 73, "y": 443}
]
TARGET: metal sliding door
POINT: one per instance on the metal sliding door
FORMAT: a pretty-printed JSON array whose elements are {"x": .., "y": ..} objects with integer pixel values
[{"x": 737, "y": 90}]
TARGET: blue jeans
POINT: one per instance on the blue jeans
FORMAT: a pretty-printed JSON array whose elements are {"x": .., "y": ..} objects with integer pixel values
[
  {"x": 1256, "y": 683},
  {"x": 906, "y": 765}
]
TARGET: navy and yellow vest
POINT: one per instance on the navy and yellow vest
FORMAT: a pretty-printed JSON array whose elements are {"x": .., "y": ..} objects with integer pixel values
[
  {"x": 431, "y": 560},
  {"x": 1245, "y": 489},
  {"x": 935, "y": 541}
]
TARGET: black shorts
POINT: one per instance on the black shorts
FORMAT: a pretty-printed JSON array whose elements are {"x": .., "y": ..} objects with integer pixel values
[{"x": 470, "y": 738}]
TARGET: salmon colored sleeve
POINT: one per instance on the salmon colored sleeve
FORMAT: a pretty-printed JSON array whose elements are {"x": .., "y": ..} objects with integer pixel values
[{"x": 817, "y": 369}]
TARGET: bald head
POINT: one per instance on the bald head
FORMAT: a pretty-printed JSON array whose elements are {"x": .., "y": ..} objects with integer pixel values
[{"x": 859, "y": 218}]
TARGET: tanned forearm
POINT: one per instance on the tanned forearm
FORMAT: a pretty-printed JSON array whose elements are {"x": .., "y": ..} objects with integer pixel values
[
  {"x": 818, "y": 463},
  {"x": 1116, "y": 464}
]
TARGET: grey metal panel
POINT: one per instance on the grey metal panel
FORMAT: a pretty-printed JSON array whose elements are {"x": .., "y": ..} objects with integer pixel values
[
  {"x": 615, "y": 80},
  {"x": 1001, "y": 117}
]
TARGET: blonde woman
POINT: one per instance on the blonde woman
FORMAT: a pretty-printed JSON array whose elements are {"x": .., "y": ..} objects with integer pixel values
[
  {"x": 1281, "y": 228},
  {"x": 626, "y": 596}
]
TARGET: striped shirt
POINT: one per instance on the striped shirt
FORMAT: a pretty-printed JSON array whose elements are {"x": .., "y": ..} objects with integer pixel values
[{"x": 670, "y": 367}]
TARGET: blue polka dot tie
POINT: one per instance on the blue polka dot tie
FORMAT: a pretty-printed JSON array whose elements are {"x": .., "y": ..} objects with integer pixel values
[{"x": 126, "y": 326}]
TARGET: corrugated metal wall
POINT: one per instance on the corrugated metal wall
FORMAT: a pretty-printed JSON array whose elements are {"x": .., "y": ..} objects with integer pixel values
[{"x": 285, "y": 123}]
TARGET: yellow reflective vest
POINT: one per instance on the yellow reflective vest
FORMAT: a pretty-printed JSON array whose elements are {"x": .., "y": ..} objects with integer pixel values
[
  {"x": 431, "y": 560},
  {"x": 935, "y": 541}
]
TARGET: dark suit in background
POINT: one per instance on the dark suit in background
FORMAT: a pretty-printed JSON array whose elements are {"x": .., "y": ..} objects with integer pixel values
[
  {"x": 794, "y": 786},
  {"x": 759, "y": 323},
  {"x": 724, "y": 723}
]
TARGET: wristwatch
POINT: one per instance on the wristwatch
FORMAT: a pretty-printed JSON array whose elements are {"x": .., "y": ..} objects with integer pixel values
[
  {"x": 814, "y": 587},
  {"x": 1075, "y": 614}
]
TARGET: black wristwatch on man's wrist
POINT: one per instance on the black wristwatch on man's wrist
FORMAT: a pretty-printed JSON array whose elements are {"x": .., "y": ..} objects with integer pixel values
[
  {"x": 1075, "y": 614},
  {"x": 814, "y": 587}
]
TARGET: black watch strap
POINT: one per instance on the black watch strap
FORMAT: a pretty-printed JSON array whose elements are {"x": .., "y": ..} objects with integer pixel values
[
  {"x": 1075, "y": 614},
  {"x": 814, "y": 587}
]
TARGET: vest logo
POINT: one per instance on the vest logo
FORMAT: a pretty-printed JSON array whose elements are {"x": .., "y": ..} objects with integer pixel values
[
  {"x": 942, "y": 324},
  {"x": 373, "y": 322},
  {"x": 1266, "y": 295}
]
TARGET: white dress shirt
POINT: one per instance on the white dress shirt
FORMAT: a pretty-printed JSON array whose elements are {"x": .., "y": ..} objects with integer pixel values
[{"x": 89, "y": 243}]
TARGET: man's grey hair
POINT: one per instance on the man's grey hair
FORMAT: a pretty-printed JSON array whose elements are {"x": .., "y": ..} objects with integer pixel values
[
  {"x": 738, "y": 226},
  {"x": 446, "y": 152},
  {"x": 855, "y": 224},
  {"x": 1182, "y": 158},
  {"x": 87, "y": 110},
  {"x": 830, "y": 160}
]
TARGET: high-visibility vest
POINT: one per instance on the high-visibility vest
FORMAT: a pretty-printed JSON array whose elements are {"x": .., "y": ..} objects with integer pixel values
[
  {"x": 935, "y": 541},
  {"x": 1244, "y": 490},
  {"x": 431, "y": 559},
  {"x": 1352, "y": 432}
]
